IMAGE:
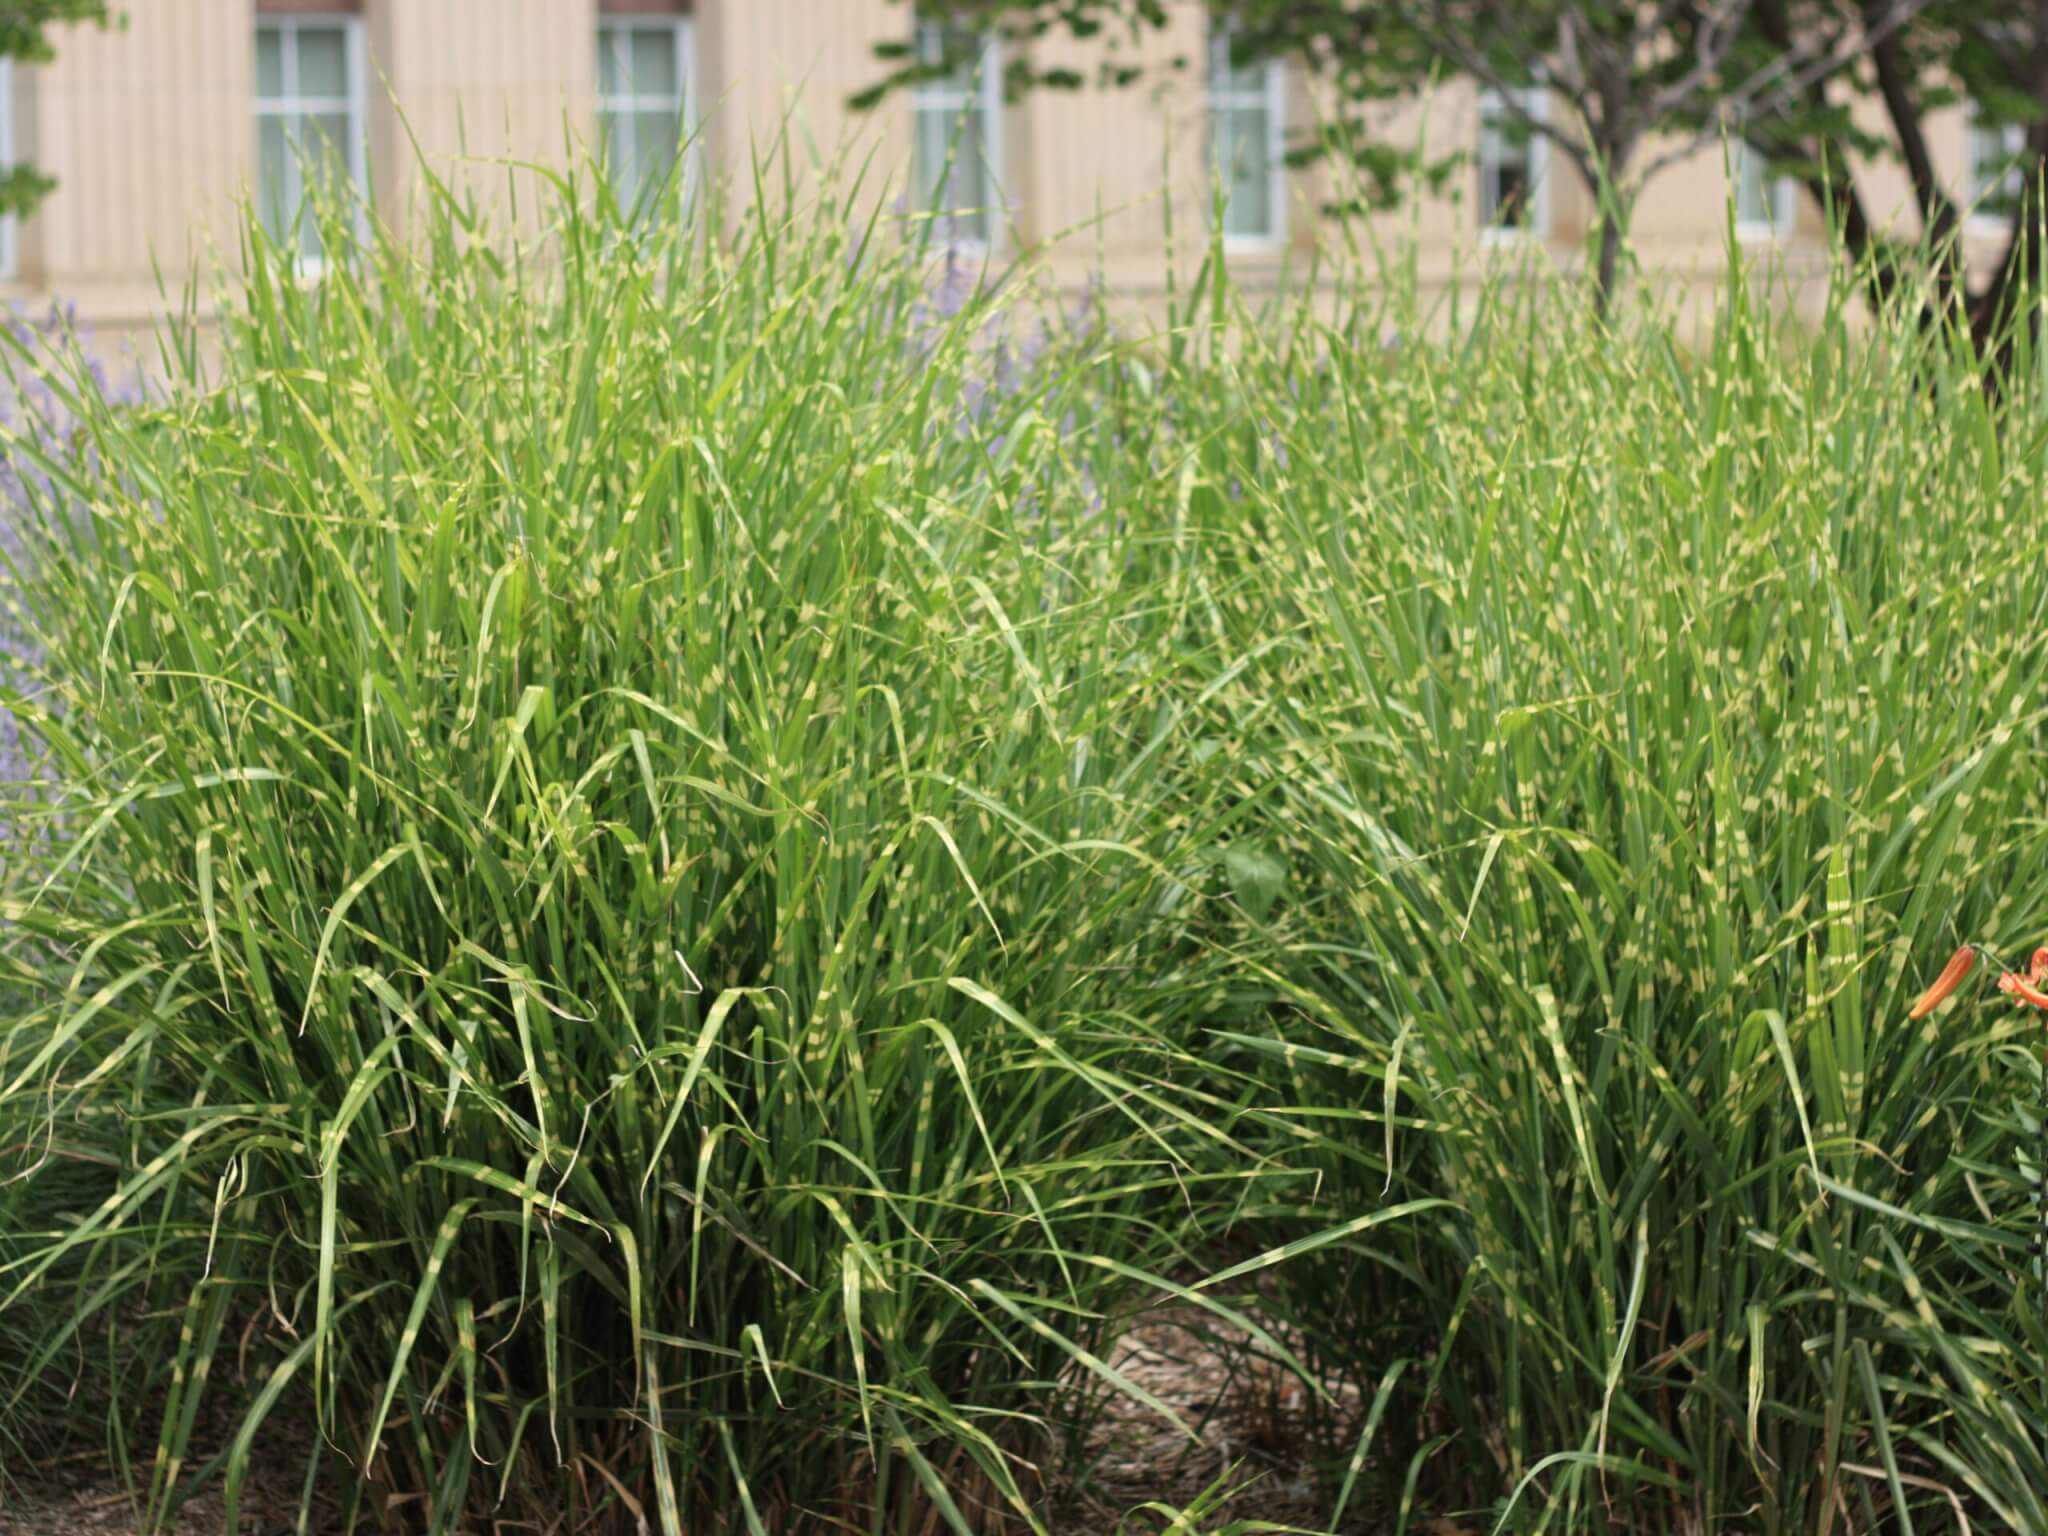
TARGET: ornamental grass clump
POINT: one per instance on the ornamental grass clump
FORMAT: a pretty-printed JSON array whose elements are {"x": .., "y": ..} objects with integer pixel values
[
  {"x": 672, "y": 866},
  {"x": 36, "y": 348},
  {"x": 1638, "y": 729},
  {"x": 619, "y": 902}
]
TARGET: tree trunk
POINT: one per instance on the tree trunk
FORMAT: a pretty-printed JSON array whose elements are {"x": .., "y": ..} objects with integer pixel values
[
  {"x": 1603, "y": 168},
  {"x": 1937, "y": 209},
  {"x": 1832, "y": 184},
  {"x": 1609, "y": 263},
  {"x": 1995, "y": 311}
]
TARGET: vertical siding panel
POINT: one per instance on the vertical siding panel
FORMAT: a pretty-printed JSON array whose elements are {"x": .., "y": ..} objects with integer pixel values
[
  {"x": 108, "y": 219},
  {"x": 53, "y": 152},
  {"x": 492, "y": 79},
  {"x": 771, "y": 70},
  {"x": 157, "y": 235},
  {"x": 100, "y": 201},
  {"x": 53, "y": 147},
  {"x": 92, "y": 205},
  {"x": 128, "y": 121},
  {"x": 1104, "y": 161},
  {"x": 169, "y": 245}
]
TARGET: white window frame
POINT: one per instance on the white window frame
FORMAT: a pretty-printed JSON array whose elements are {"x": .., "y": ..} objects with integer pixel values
[
  {"x": 290, "y": 104},
  {"x": 10, "y": 226},
  {"x": 1535, "y": 101},
  {"x": 613, "y": 31},
  {"x": 1271, "y": 98},
  {"x": 943, "y": 97},
  {"x": 2013, "y": 138},
  {"x": 1781, "y": 192}
]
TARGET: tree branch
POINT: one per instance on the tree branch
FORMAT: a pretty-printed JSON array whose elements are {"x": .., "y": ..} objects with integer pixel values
[
  {"x": 1474, "y": 63},
  {"x": 1784, "y": 82},
  {"x": 1717, "y": 31},
  {"x": 1829, "y": 183},
  {"x": 1937, "y": 212}
]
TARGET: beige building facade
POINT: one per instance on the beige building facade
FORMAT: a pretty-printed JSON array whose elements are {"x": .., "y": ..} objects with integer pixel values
[{"x": 160, "y": 129}]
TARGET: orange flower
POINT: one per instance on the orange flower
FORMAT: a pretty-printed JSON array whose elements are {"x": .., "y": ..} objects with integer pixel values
[
  {"x": 1950, "y": 978},
  {"x": 2032, "y": 987}
]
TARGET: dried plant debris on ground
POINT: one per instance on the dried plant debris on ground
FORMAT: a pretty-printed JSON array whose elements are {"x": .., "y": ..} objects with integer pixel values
[
  {"x": 81, "y": 1505},
  {"x": 1247, "y": 1451},
  {"x": 1244, "y": 1450},
  {"x": 76, "y": 1495}
]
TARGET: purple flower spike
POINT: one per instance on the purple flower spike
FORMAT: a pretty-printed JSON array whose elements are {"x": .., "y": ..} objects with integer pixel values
[{"x": 26, "y": 492}]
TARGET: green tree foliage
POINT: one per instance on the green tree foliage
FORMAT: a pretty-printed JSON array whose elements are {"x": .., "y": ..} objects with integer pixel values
[
  {"x": 1620, "y": 70},
  {"x": 25, "y": 35},
  {"x": 1641, "y": 86}
]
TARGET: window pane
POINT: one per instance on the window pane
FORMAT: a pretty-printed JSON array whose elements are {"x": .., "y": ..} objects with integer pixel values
[
  {"x": 610, "y": 42},
  {"x": 1984, "y": 157},
  {"x": 615, "y": 140},
  {"x": 1506, "y": 168},
  {"x": 309, "y": 237},
  {"x": 968, "y": 52},
  {"x": 1247, "y": 172},
  {"x": 969, "y": 224},
  {"x": 654, "y": 150},
  {"x": 323, "y": 62},
  {"x": 327, "y": 145},
  {"x": 962, "y": 191},
  {"x": 274, "y": 197},
  {"x": 1994, "y": 170},
  {"x": 971, "y": 192},
  {"x": 269, "y": 63},
  {"x": 933, "y": 133},
  {"x": 1247, "y": 78},
  {"x": 654, "y": 62},
  {"x": 1508, "y": 195},
  {"x": 1752, "y": 192}
]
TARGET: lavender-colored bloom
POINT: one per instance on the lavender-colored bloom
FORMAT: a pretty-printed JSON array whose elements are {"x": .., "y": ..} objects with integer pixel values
[
  {"x": 1036, "y": 344},
  {"x": 942, "y": 304},
  {"x": 974, "y": 395},
  {"x": 36, "y": 414},
  {"x": 1086, "y": 316},
  {"x": 956, "y": 286},
  {"x": 1008, "y": 376},
  {"x": 998, "y": 366}
]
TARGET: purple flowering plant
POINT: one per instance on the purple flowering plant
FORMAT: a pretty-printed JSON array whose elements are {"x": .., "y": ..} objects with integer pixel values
[{"x": 47, "y": 365}]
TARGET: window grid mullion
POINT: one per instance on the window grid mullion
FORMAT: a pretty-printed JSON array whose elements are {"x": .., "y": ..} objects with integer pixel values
[
  {"x": 294, "y": 131},
  {"x": 627, "y": 129},
  {"x": 1246, "y": 121},
  {"x": 294, "y": 209},
  {"x": 628, "y": 111},
  {"x": 976, "y": 149}
]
